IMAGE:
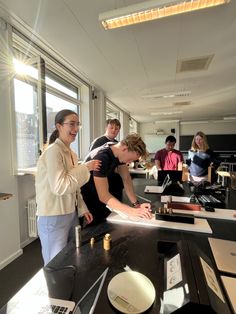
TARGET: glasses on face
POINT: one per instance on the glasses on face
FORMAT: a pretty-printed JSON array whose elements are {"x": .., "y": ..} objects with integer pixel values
[{"x": 73, "y": 124}]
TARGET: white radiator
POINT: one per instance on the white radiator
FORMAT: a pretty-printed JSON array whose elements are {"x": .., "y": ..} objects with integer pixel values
[{"x": 32, "y": 218}]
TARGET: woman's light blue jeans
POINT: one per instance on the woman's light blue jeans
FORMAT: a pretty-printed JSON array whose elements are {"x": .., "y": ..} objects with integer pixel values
[{"x": 55, "y": 232}]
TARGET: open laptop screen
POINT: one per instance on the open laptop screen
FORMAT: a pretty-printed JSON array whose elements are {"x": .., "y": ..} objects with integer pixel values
[{"x": 175, "y": 175}]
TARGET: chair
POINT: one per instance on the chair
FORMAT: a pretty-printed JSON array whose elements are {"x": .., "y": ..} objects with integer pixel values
[{"x": 209, "y": 174}]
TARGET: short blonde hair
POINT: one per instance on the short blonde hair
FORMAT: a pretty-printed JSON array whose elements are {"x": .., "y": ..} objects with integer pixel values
[
  {"x": 194, "y": 146},
  {"x": 135, "y": 143}
]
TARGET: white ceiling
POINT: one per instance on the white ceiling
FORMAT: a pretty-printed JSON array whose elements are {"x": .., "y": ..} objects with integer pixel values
[{"x": 133, "y": 63}]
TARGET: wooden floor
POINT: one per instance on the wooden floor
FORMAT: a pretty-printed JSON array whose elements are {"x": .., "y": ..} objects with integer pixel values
[{"x": 17, "y": 273}]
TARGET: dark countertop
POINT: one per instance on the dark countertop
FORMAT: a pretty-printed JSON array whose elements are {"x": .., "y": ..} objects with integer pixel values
[{"x": 139, "y": 248}]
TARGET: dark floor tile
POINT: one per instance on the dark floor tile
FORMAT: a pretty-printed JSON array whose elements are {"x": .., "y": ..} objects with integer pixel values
[{"x": 15, "y": 275}]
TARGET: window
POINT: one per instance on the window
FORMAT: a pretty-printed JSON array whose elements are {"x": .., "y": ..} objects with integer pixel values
[
  {"x": 112, "y": 112},
  {"x": 133, "y": 126},
  {"x": 41, "y": 89},
  {"x": 55, "y": 104},
  {"x": 26, "y": 117}
]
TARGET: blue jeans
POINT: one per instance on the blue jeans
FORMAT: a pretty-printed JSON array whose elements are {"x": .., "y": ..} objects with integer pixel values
[{"x": 55, "y": 232}]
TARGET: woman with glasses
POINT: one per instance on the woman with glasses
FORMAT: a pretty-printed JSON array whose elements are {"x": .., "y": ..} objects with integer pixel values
[{"x": 58, "y": 182}]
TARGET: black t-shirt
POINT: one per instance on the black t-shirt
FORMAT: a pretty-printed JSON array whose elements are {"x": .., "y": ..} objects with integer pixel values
[
  {"x": 99, "y": 141},
  {"x": 109, "y": 161},
  {"x": 107, "y": 169}
]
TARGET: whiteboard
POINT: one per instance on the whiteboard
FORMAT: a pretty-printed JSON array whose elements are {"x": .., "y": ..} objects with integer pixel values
[{"x": 154, "y": 142}]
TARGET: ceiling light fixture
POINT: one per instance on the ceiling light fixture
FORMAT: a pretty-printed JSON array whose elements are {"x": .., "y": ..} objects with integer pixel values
[
  {"x": 166, "y": 121},
  {"x": 167, "y": 113},
  {"x": 151, "y": 10},
  {"x": 168, "y": 95},
  {"x": 194, "y": 122},
  {"x": 229, "y": 118}
]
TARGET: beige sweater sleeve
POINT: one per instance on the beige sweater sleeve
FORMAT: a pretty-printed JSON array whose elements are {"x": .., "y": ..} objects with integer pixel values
[
  {"x": 64, "y": 181},
  {"x": 85, "y": 175}
]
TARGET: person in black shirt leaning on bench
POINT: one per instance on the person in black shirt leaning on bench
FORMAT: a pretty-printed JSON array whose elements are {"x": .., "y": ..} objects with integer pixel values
[{"x": 98, "y": 192}]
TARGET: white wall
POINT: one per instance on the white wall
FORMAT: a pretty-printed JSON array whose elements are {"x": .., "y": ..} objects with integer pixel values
[
  {"x": 9, "y": 210},
  {"x": 26, "y": 190},
  {"x": 155, "y": 141},
  {"x": 97, "y": 114},
  {"x": 124, "y": 125}
]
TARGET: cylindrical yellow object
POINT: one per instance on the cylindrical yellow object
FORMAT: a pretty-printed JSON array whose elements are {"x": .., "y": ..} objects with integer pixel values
[
  {"x": 107, "y": 242},
  {"x": 92, "y": 240}
]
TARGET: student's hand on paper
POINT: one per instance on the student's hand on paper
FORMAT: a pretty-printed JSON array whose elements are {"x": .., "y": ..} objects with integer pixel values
[
  {"x": 143, "y": 211},
  {"x": 89, "y": 217},
  {"x": 145, "y": 205},
  {"x": 93, "y": 164}
]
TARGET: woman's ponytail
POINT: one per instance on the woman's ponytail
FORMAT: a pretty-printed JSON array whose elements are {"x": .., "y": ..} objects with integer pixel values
[{"x": 53, "y": 136}]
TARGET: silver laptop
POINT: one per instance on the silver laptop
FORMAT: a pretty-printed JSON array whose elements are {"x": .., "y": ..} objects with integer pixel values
[
  {"x": 230, "y": 287},
  {"x": 87, "y": 303},
  {"x": 39, "y": 304},
  {"x": 224, "y": 252},
  {"x": 158, "y": 189},
  {"x": 44, "y": 305}
]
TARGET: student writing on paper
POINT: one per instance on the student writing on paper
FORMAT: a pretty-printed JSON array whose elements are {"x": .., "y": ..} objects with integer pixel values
[{"x": 98, "y": 192}]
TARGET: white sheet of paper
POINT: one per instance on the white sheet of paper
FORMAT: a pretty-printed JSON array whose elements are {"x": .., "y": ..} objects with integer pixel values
[
  {"x": 200, "y": 225},
  {"x": 211, "y": 279}
]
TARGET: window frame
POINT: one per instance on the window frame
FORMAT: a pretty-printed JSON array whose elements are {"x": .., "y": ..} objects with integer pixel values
[{"x": 45, "y": 64}]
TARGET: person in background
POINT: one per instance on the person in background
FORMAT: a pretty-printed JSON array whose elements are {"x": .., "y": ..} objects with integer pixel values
[
  {"x": 169, "y": 158},
  {"x": 112, "y": 129},
  {"x": 200, "y": 157},
  {"x": 98, "y": 193},
  {"x": 58, "y": 182}
]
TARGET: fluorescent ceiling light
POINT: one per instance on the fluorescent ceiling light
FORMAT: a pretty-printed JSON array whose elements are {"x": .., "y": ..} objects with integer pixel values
[
  {"x": 193, "y": 122},
  {"x": 166, "y": 121},
  {"x": 151, "y": 10},
  {"x": 221, "y": 121},
  {"x": 229, "y": 118},
  {"x": 167, "y": 113},
  {"x": 168, "y": 95}
]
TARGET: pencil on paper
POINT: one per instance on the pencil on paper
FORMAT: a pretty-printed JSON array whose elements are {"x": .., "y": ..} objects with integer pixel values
[{"x": 143, "y": 198}]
